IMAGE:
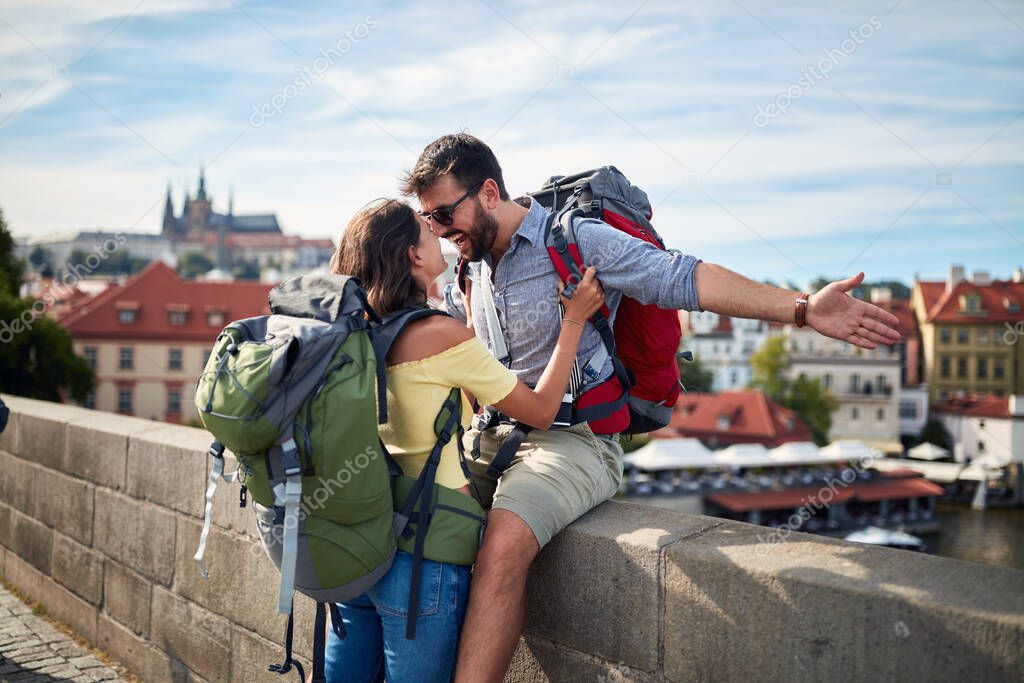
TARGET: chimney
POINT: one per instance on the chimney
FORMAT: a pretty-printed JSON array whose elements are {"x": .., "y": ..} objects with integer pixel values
[
  {"x": 1018, "y": 274},
  {"x": 981, "y": 278},
  {"x": 956, "y": 276},
  {"x": 881, "y": 295},
  {"x": 1016, "y": 405}
]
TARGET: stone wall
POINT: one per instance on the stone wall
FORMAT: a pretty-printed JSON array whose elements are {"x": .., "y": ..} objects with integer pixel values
[{"x": 100, "y": 515}]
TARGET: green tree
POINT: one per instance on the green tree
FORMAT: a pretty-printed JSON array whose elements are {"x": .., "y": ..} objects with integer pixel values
[
  {"x": 194, "y": 263},
  {"x": 811, "y": 402},
  {"x": 37, "y": 359},
  {"x": 11, "y": 268},
  {"x": 694, "y": 376},
  {"x": 39, "y": 256}
]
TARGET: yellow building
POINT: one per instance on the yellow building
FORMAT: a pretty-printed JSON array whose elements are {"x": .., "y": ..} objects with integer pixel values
[
  {"x": 972, "y": 334},
  {"x": 148, "y": 340}
]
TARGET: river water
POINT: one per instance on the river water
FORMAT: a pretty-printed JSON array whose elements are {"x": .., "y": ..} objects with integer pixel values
[{"x": 994, "y": 536}]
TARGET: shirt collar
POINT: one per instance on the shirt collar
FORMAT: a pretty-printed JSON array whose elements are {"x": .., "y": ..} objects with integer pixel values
[{"x": 532, "y": 227}]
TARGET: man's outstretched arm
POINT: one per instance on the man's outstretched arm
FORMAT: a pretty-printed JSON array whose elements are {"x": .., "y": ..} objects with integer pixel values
[{"x": 831, "y": 311}]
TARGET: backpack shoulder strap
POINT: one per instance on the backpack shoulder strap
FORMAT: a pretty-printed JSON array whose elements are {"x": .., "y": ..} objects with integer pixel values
[{"x": 393, "y": 325}]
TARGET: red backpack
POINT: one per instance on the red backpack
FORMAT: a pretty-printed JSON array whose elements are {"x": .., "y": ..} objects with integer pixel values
[{"x": 640, "y": 395}]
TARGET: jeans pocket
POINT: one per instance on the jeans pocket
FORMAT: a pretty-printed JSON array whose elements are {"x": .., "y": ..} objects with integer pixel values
[{"x": 391, "y": 594}]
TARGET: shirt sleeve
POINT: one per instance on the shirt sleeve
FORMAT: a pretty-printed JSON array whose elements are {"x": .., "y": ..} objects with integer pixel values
[
  {"x": 638, "y": 269},
  {"x": 471, "y": 366},
  {"x": 453, "y": 302}
]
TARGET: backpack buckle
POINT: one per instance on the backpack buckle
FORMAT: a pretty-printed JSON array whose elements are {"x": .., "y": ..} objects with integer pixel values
[{"x": 216, "y": 450}]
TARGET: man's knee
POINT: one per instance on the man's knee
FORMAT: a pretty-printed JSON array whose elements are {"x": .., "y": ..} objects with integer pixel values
[{"x": 509, "y": 544}]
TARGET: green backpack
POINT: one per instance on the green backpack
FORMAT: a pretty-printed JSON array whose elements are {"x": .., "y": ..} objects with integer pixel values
[{"x": 297, "y": 396}]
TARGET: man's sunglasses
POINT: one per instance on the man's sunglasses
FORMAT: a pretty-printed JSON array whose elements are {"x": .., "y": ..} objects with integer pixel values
[{"x": 445, "y": 215}]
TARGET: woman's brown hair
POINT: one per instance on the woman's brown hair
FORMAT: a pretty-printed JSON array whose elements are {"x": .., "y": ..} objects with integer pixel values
[{"x": 374, "y": 248}]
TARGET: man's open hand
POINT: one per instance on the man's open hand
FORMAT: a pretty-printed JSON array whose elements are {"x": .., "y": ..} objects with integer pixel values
[{"x": 834, "y": 313}]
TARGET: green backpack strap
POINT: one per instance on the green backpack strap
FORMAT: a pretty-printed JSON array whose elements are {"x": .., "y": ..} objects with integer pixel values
[{"x": 446, "y": 425}]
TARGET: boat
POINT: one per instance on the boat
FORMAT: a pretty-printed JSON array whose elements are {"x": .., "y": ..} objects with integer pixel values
[{"x": 890, "y": 538}]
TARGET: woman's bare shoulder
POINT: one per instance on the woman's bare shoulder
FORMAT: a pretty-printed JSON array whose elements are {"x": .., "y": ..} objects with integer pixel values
[{"x": 428, "y": 337}]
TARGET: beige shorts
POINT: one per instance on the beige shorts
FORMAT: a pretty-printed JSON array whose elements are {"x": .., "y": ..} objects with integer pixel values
[{"x": 556, "y": 476}]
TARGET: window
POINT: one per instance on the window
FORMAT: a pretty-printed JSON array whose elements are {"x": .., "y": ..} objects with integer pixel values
[
  {"x": 90, "y": 353},
  {"x": 855, "y": 413},
  {"x": 945, "y": 335},
  {"x": 998, "y": 371},
  {"x": 124, "y": 401},
  {"x": 971, "y": 303},
  {"x": 855, "y": 383},
  {"x": 981, "y": 447},
  {"x": 982, "y": 335},
  {"x": 126, "y": 316},
  {"x": 944, "y": 366},
  {"x": 880, "y": 414},
  {"x": 961, "y": 368},
  {"x": 908, "y": 410},
  {"x": 733, "y": 378},
  {"x": 982, "y": 368},
  {"x": 963, "y": 335},
  {"x": 827, "y": 381},
  {"x": 215, "y": 318},
  {"x": 126, "y": 360},
  {"x": 174, "y": 401},
  {"x": 880, "y": 383},
  {"x": 177, "y": 318},
  {"x": 174, "y": 359},
  {"x": 206, "y": 357},
  {"x": 90, "y": 400}
]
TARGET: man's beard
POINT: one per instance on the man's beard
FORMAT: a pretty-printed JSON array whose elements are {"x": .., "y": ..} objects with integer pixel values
[{"x": 482, "y": 234}]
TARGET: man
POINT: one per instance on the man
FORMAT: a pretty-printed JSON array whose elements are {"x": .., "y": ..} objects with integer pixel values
[{"x": 561, "y": 473}]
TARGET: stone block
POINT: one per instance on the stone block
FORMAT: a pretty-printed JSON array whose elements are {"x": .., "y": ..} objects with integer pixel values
[
  {"x": 68, "y": 608},
  {"x": 6, "y": 526},
  {"x": 167, "y": 465},
  {"x": 594, "y": 587},
  {"x": 17, "y": 483},
  {"x": 127, "y": 597},
  {"x": 226, "y": 513},
  {"x": 22, "y": 575},
  {"x": 78, "y": 568},
  {"x": 537, "y": 660},
  {"x": 139, "y": 535},
  {"x": 243, "y": 582},
  {"x": 65, "y": 503},
  {"x": 251, "y": 654},
  {"x": 737, "y": 607},
  {"x": 141, "y": 657},
  {"x": 33, "y": 542},
  {"x": 196, "y": 637},
  {"x": 41, "y": 427},
  {"x": 97, "y": 450}
]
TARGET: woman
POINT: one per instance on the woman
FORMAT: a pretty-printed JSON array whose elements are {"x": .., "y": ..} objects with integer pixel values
[{"x": 393, "y": 252}]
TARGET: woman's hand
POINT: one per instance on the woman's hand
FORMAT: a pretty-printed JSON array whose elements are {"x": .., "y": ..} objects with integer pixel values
[{"x": 586, "y": 300}]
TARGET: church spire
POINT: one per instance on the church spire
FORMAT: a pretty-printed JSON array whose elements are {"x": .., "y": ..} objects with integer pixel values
[
  {"x": 168, "y": 226},
  {"x": 201, "y": 194}
]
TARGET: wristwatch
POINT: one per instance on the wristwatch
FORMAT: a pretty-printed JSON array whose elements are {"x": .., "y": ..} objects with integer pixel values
[{"x": 800, "y": 315}]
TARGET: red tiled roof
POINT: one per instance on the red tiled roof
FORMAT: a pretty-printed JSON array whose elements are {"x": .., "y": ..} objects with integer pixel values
[
  {"x": 820, "y": 496},
  {"x": 902, "y": 309},
  {"x": 752, "y": 417},
  {"x": 944, "y": 307},
  {"x": 156, "y": 290},
  {"x": 975, "y": 406}
]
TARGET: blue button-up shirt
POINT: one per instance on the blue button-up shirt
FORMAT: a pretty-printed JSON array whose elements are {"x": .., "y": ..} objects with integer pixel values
[{"x": 526, "y": 289}]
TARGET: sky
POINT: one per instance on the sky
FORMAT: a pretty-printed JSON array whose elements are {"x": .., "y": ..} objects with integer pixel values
[{"x": 784, "y": 141}]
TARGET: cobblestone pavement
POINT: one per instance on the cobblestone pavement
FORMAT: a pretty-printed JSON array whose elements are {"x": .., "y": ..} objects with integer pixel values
[{"x": 32, "y": 650}]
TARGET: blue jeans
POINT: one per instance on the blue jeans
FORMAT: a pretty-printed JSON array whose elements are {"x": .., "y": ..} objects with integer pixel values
[{"x": 375, "y": 646}]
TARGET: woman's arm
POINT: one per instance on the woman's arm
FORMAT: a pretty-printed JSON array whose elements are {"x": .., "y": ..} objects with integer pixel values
[{"x": 538, "y": 407}]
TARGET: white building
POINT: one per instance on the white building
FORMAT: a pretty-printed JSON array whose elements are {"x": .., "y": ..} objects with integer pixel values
[
  {"x": 723, "y": 345},
  {"x": 984, "y": 426},
  {"x": 865, "y": 384}
]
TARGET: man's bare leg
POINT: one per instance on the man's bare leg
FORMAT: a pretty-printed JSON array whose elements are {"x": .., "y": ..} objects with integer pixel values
[{"x": 497, "y": 599}]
